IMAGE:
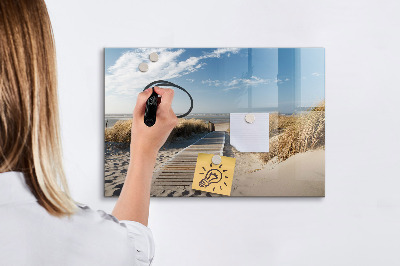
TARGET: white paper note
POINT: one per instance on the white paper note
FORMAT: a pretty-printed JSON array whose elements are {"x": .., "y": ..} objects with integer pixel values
[{"x": 249, "y": 137}]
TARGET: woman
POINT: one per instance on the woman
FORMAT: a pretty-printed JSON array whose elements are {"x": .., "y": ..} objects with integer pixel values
[{"x": 39, "y": 222}]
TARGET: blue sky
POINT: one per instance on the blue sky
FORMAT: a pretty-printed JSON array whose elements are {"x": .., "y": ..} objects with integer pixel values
[{"x": 217, "y": 78}]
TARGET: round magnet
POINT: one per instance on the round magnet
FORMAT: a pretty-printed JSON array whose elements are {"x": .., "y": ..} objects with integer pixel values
[
  {"x": 143, "y": 67},
  {"x": 216, "y": 159},
  {"x": 153, "y": 57},
  {"x": 250, "y": 118}
]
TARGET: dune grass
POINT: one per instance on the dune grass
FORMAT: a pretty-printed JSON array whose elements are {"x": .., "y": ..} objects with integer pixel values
[
  {"x": 121, "y": 131},
  {"x": 290, "y": 135},
  {"x": 187, "y": 127},
  {"x": 278, "y": 123}
]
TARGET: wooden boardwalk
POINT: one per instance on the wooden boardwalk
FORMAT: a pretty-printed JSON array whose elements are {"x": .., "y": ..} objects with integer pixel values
[{"x": 179, "y": 170}]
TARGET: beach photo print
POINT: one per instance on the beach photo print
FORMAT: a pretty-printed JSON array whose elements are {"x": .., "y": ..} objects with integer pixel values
[{"x": 251, "y": 120}]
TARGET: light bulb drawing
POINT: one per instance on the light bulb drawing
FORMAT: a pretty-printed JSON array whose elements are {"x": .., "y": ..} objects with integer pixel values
[{"x": 213, "y": 176}]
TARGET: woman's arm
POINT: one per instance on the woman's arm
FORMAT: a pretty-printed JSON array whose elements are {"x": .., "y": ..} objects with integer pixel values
[{"x": 133, "y": 203}]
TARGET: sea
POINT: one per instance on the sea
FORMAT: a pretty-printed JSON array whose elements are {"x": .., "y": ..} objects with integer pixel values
[{"x": 111, "y": 119}]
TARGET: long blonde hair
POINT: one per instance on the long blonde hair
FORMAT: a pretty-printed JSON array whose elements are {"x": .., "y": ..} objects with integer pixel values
[{"x": 29, "y": 122}]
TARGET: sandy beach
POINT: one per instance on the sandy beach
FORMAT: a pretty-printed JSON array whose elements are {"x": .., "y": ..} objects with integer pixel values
[
  {"x": 116, "y": 160},
  {"x": 302, "y": 174}
]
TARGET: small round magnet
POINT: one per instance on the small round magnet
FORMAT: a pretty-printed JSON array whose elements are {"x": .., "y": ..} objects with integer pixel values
[
  {"x": 153, "y": 57},
  {"x": 143, "y": 67},
  {"x": 216, "y": 159},
  {"x": 250, "y": 118}
]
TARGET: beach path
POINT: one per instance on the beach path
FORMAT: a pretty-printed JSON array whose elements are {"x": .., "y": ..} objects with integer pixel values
[{"x": 176, "y": 175}]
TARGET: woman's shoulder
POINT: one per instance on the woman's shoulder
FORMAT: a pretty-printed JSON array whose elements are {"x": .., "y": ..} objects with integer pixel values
[
  {"x": 135, "y": 235},
  {"x": 99, "y": 222}
]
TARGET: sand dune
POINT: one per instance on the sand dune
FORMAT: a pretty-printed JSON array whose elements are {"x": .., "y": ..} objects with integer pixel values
[{"x": 301, "y": 175}]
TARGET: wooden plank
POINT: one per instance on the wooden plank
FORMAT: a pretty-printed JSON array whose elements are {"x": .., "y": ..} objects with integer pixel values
[
  {"x": 179, "y": 170},
  {"x": 174, "y": 179},
  {"x": 188, "y": 184}
]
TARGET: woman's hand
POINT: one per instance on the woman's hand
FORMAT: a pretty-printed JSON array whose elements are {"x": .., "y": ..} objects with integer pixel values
[
  {"x": 133, "y": 203},
  {"x": 148, "y": 140}
]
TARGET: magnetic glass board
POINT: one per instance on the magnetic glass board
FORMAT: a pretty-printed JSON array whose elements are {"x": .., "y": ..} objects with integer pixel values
[{"x": 281, "y": 153}]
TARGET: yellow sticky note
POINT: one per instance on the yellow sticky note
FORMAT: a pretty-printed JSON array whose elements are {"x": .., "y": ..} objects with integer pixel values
[{"x": 211, "y": 177}]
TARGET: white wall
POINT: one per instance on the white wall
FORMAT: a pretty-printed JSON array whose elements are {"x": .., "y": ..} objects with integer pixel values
[{"x": 357, "y": 223}]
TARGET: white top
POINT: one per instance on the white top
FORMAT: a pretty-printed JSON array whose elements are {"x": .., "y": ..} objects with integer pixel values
[{"x": 31, "y": 236}]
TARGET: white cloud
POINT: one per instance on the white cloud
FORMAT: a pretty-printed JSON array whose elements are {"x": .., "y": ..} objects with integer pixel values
[
  {"x": 190, "y": 80},
  {"x": 124, "y": 77},
  {"x": 210, "y": 82},
  {"x": 123, "y": 80},
  {"x": 218, "y": 52},
  {"x": 315, "y": 74},
  {"x": 238, "y": 83}
]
